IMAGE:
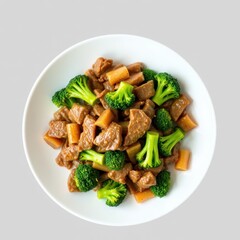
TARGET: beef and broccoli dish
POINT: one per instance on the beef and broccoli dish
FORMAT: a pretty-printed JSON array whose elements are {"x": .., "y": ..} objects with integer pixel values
[{"x": 119, "y": 127}]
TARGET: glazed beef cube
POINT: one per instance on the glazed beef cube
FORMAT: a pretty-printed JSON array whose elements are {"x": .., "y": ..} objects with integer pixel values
[
  {"x": 101, "y": 65},
  {"x": 138, "y": 125},
  {"x": 110, "y": 138},
  {"x": 57, "y": 129},
  {"x": 145, "y": 91},
  {"x": 88, "y": 134},
  {"x": 78, "y": 113}
]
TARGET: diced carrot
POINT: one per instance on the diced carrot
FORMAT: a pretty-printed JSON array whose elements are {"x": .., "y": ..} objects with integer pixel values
[
  {"x": 132, "y": 151},
  {"x": 52, "y": 141},
  {"x": 100, "y": 167},
  {"x": 183, "y": 161},
  {"x": 105, "y": 118},
  {"x": 73, "y": 131},
  {"x": 186, "y": 123},
  {"x": 117, "y": 75},
  {"x": 124, "y": 126},
  {"x": 143, "y": 196}
]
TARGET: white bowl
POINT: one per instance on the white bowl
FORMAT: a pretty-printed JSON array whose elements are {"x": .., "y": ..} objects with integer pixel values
[{"x": 39, "y": 110}]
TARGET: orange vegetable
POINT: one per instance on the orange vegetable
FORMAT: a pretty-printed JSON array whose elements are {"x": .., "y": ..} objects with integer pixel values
[
  {"x": 143, "y": 196},
  {"x": 186, "y": 123},
  {"x": 183, "y": 161},
  {"x": 100, "y": 167},
  {"x": 124, "y": 126},
  {"x": 132, "y": 151},
  {"x": 52, "y": 141},
  {"x": 105, "y": 118},
  {"x": 73, "y": 132},
  {"x": 117, "y": 75}
]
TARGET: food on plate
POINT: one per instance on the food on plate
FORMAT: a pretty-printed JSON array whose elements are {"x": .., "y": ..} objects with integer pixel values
[
  {"x": 120, "y": 128},
  {"x": 113, "y": 192}
]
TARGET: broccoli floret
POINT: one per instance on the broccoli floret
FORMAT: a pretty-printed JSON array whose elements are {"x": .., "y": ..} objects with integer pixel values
[
  {"x": 163, "y": 184},
  {"x": 114, "y": 160},
  {"x": 78, "y": 88},
  {"x": 92, "y": 155},
  {"x": 122, "y": 98},
  {"x": 166, "y": 143},
  {"x": 149, "y": 74},
  {"x": 60, "y": 99},
  {"x": 167, "y": 88},
  {"x": 148, "y": 157},
  {"x": 163, "y": 120},
  {"x": 113, "y": 192},
  {"x": 86, "y": 177}
]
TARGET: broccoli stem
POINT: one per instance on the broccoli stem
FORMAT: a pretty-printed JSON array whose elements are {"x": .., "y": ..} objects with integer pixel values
[
  {"x": 92, "y": 155},
  {"x": 149, "y": 156}
]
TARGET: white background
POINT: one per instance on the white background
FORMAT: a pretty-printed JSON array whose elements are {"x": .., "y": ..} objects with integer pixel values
[{"x": 205, "y": 33}]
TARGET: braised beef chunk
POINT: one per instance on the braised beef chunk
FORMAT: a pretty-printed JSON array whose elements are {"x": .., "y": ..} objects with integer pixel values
[
  {"x": 78, "y": 113},
  {"x": 110, "y": 138},
  {"x": 62, "y": 114},
  {"x": 136, "y": 105},
  {"x": 120, "y": 176},
  {"x": 88, "y": 134},
  {"x": 101, "y": 65},
  {"x": 70, "y": 153},
  {"x": 60, "y": 162},
  {"x": 100, "y": 94},
  {"x": 149, "y": 108},
  {"x": 98, "y": 109},
  {"x": 155, "y": 171},
  {"x": 57, "y": 129},
  {"x": 91, "y": 75},
  {"x": 145, "y": 91},
  {"x": 108, "y": 86},
  {"x": 95, "y": 84},
  {"x": 135, "y": 175},
  {"x": 135, "y": 79},
  {"x": 138, "y": 125},
  {"x": 72, "y": 187},
  {"x": 178, "y": 106},
  {"x": 135, "y": 67},
  {"x": 146, "y": 181},
  {"x": 174, "y": 157}
]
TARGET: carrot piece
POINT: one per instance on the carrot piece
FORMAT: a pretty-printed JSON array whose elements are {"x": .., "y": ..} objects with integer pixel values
[
  {"x": 132, "y": 151},
  {"x": 183, "y": 161},
  {"x": 100, "y": 167},
  {"x": 73, "y": 132},
  {"x": 52, "y": 141},
  {"x": 117, "y": 75},
  {"x": 105, "y": 118},
  {"x": 143, "y": 196},
  {"x": 186, "y": 123}
]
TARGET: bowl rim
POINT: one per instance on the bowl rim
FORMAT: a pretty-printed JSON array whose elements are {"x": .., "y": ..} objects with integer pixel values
[{"x": 30, "y": 95}]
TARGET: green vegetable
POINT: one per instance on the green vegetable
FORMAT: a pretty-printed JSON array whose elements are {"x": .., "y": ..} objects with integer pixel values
[
  {"x": 91, "y": 155},
  {"x": 86, "y": 177},
  {"x": 60, "y": 99},
  {"x": 163, "y": 184},
  {"x": 148, "y": 157},
  {"x": 166, "y": 143},
  {"x": 163, "y": 120},
  {"x": 149, "y": 74},
  {"x": 78, "y": 88},
  {"x": 114, "y": 160},
  {"x": 122, "y": 98},
  {"x": 167, "y": 88},
  {"x": 113, "y": 192}
]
